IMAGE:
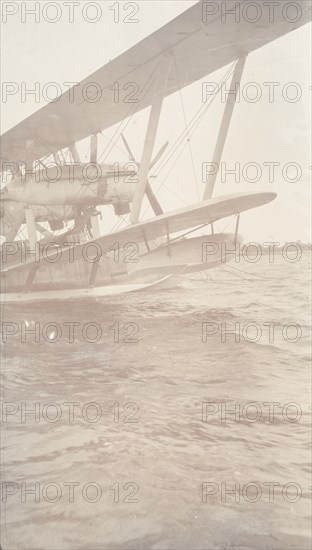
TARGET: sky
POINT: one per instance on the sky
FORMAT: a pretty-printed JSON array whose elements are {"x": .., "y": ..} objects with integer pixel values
[{"x": 261, "y": 132}]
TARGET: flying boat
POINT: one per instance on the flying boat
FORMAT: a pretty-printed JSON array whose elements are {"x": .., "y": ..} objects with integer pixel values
[{"x": 58, "y": 197}]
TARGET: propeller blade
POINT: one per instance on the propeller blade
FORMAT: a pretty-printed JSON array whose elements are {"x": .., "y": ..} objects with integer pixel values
[
  {"x": 153, "y": 200},
  {"x": 128, "y": 148},
  {"x": 159, "y": 154}
]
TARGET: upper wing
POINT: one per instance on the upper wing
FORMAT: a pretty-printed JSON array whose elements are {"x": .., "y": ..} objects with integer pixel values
[{"x": 200, "y": 45}]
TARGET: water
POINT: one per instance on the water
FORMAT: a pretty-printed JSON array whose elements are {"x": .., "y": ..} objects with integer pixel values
[{"x": 155, "y": 443}]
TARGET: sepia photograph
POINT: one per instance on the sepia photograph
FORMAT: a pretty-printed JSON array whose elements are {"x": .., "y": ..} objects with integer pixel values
[{"x": 155, "y": 248}]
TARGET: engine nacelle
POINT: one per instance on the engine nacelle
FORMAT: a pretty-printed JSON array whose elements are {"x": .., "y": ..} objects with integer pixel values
[{"x": 76, "y": 185}]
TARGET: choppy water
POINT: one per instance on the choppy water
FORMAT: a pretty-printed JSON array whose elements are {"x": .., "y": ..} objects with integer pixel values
[{"x": 153, "y": 431}]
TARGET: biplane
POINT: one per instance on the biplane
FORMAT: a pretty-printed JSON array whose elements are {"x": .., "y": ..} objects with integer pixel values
[{"x": 50, "y": 187}]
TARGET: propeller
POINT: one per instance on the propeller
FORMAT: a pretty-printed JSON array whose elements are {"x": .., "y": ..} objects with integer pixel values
[{"x": 148, "y": 190}]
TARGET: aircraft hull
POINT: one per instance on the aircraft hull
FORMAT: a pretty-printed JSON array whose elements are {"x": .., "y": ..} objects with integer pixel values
[
  {"x": 81, "y": 278},
  {"x": 83, "y": 293}
]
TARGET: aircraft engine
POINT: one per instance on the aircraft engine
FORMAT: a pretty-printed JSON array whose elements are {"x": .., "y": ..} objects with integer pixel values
[
  {"x": 11, "y": 218},
  {"x": 74, "y": 187}
]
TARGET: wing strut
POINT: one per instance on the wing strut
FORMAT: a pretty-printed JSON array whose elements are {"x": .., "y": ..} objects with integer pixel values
[
  {"x": 225, "y": 124},
  {"x": 93, "y": 149},
  {"x": 160, "y": 90},
  {"x": 94, "y": 218},
  {"x": 31, "y": 227},
  {"x": 29, "y": 214},
  {"x": 29, "y": 164},
  {"x": 236, "y": 228},
  {"x": 74, "y": 153}
]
